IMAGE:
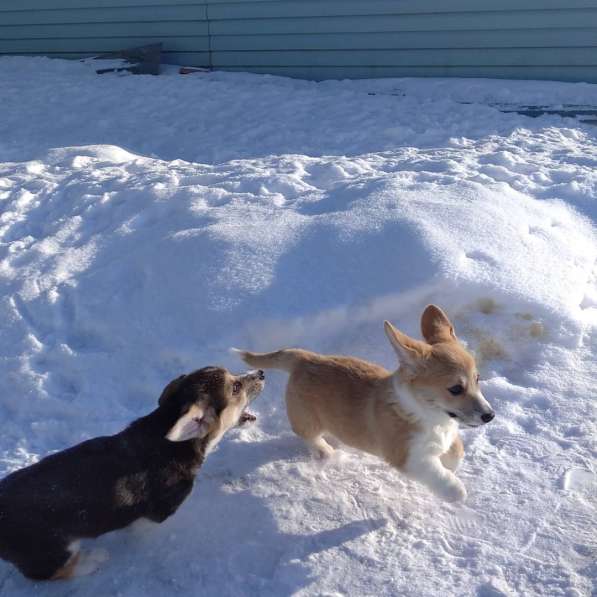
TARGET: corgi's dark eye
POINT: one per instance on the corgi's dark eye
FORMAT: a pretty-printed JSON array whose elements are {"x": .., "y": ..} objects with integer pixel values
[
  {"x": 456, "y": 390},
  {"x": 236, "y": 387},
  {"x": 478, "y": 378}
]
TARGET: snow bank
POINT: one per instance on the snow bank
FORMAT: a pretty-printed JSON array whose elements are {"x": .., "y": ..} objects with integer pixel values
[{"x": 149, "y": 223}]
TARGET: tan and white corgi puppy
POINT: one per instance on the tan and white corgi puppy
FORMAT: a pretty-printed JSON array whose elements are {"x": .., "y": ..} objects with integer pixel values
[{"x": 409, "y": 418}]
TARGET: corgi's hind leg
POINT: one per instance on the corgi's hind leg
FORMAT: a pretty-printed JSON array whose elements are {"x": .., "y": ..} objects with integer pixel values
[
  {"x": 48, "y": 560},
  {"x": 304, "y": 423},
  {"x": 452, "y": 458},
  {"x": 81, "y": 563},
  {"x": 320, "y": 448},
  {"x": 67, "y": 569},
  {"x": 90, "y": 561}
]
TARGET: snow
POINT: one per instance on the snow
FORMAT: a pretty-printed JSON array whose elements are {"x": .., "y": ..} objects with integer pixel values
[{"x": 147, "y": 224}]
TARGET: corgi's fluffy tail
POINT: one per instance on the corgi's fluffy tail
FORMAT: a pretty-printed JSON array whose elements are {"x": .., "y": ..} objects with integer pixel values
[{"x": 279, "y": 359}]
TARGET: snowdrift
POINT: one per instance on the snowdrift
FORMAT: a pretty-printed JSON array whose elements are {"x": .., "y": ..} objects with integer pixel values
[{"x": 147, "y": 224}]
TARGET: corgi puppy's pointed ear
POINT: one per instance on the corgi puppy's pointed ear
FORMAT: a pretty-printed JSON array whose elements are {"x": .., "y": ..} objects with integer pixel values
[
  {"x": 195, "y": 423},
  {"x": 410, "y": 352},
  {"x": 170, "y": 389},
  {"x": 435, "y": 326}
]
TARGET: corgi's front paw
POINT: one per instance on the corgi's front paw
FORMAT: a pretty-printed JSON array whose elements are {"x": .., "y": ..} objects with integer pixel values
[
  {"x": 90, "y": 561},
  {"x": 455, "y": 491},
  {"x": 321, "y": 449}
]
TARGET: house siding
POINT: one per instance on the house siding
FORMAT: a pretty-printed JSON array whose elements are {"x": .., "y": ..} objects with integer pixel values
[{"x": 321, "y": 39}]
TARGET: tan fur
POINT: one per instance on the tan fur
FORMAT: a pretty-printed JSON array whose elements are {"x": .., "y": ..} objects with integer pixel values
[
  {"x": 280, "y": 359},
  {"x": 126, "y": 491},
  {"x": 391, "y": 415},
  {"x": 348, "y": 398},
  {"x": 436, "y": 327}
]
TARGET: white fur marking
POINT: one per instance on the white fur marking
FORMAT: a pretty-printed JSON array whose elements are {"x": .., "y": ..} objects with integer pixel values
[
  {"x": 409, "y": 404},
  {"x": 229, "y": 420},
  {"x": 90, "y": 561},
  {"x": 485, "y": 406},
  {"x": 437, "y": 435},
  {"x": 320, "y": 448},
  {"x": 191, "y": 425}
]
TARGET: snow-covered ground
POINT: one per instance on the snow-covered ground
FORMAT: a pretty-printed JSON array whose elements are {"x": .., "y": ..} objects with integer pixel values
[{"x": 147, "y": 224}]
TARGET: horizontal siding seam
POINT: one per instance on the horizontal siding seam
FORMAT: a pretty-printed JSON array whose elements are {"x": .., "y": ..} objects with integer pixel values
[
  {"x": 160, "y": 22},
  {"x": 233, "y": 3},
  {"x": 248, "y": 67},
  {"x": 401, "y": 32},
  {"x": 290, "y": 34},
  {"x": 115, "y": 7},
  {"x": 304, "y": 50},
  {"x": 136, "y": 35},
  {"x": 433, "y": 49},
  {"x": 236, "y": 3},
  {"x": 406, "y": 14},
  {"x": 316, "y": 16},
  {"x": 322, "y": 33}
]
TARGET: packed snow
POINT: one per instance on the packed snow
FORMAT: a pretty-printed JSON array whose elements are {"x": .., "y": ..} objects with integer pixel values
[{"x": 147, "y": 224}]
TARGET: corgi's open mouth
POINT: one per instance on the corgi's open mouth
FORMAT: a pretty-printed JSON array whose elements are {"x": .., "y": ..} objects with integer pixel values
[
  {"x": 461, "y": 422},
  {"x": 246, "y": 417}
]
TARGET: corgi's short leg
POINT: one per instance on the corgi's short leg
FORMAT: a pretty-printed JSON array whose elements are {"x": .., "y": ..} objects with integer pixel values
[
  {"x": 67, "y": 570},
  {"x": 452, "y": 458},
  {"x": 81, "y": 563},
  {"x": 306, "y": 424},
  {"x": 320, "y": 448},
  {"x": 90, "y": 561},
  {"x": 441, "y": 481},
  {"x": 48, "y": 558}
]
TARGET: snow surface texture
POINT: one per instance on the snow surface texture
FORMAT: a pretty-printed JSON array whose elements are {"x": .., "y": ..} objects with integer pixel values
[{"x": 149, "y": 223}]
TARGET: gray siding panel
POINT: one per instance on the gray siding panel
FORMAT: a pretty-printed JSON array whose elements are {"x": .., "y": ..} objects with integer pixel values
[
  {"x": 580, "y": 73},
  {"x": 404, "y": 40},
  {"x": 99, "y": 45},
  {"x": 25, "y": 5},
  {"x": 316, "y": 39},
  {"x": 447, "y": 57},
  {"x": 242, "y": 8},
  {"x": 162, "y": 29},
  {"x": 115, "y": 14},
  {"x": 198, "y": 58},
  {"x": 431, "y": 22},
  {"x": 325, "y": 8}
]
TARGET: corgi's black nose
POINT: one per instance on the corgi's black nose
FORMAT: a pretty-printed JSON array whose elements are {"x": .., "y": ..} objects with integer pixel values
[
  {"x": 487, "y": 417},
  {"x": 261, "y": 374}
]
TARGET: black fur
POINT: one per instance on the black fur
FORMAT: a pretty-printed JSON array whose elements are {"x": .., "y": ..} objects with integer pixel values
[{"x": 105, "y": 483}]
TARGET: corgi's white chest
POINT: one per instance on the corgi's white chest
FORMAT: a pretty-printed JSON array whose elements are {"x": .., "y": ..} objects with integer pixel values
[
  {"x": 446, "y": 434},
  {"x": 437, "y": 433},
  {"x": 435, "y": 440}
]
